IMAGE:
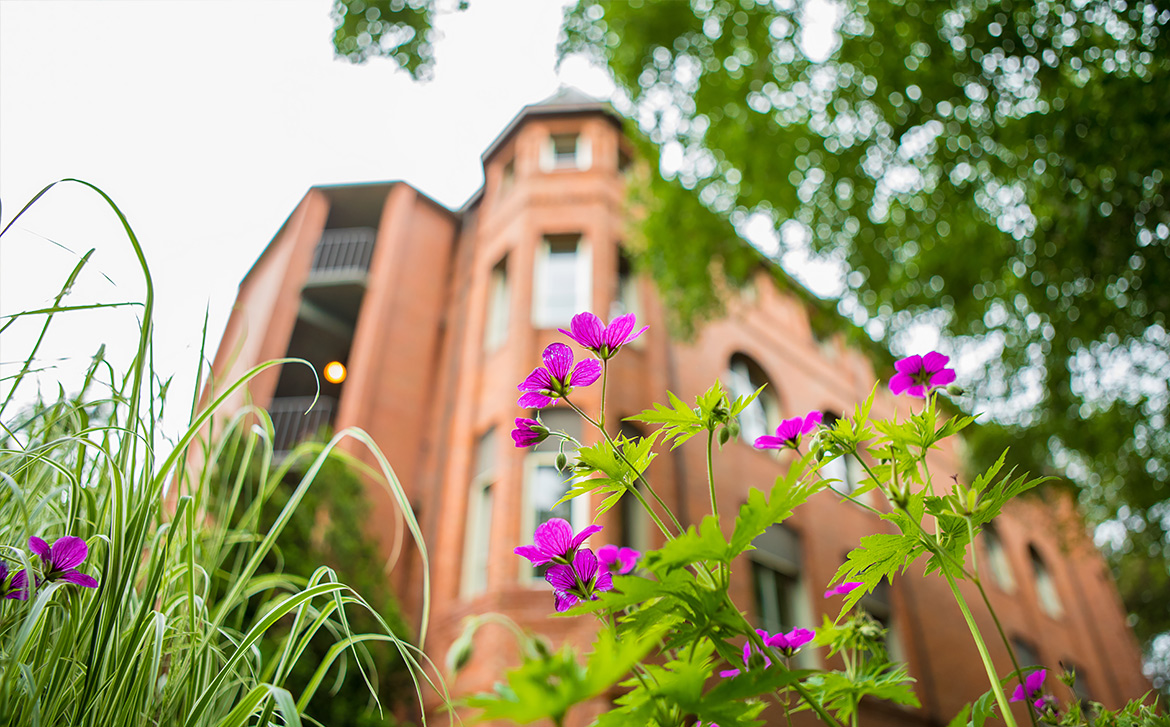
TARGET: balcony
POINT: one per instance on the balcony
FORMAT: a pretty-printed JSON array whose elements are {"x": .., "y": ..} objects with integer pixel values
[
  {"x": 342, "y": 255},
  {"x": 291, "y": 425}
]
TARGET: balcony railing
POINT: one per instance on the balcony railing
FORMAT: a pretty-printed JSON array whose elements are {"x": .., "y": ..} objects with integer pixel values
[
  {"x": 343, "y": 253},
  {"x": 291, "y": 424}
]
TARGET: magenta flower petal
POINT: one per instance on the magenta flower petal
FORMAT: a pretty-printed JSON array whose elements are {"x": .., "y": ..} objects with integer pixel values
[
  {"x": 585, "y": 533},
  {"x": 561, "y": 577},
  {"x": 587, "y": 330},
  {"x": 554, "y": 537},
  {"x": 525, "y": 435},
  {"x": 558, "y": 359},
  {"x": 842, "y": 589},
  {"x": 909, "y": 365},
  {"x": 538, "y": 380},
  {"x": 934, "y": 362},
  {"x": 900, "y": 382},
  {"x": 533, "y": 554},
  {"x": 789, "y": 429},
  {"x": 586, "y": 372},
  {"x": 1035, "y": 681},
  {"x": 532, "y": 400},
  {"x": 585, "y": 563},
  {"x": 618, "y": 331},
  {"x": 618, "y": 560},
  {"x": 1018, "y": 695},
  {"x": 78, "y": 578},
  {"x": 565, "y": 601},
  {"x": 726, "y": 673},
  {"x": 769, "y": 442},
  {"x": 40, "y": 547},
  {"x": 68, "y": 553},
  {"x": 18, "y": 587},
  {"x": 811, "y": 421},
  {"x": 604, "y": 581},
  {"x": 942, "y": 378}
]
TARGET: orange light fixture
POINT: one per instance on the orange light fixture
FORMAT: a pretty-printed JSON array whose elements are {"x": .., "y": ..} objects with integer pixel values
[{"x": 335, "y": 372}]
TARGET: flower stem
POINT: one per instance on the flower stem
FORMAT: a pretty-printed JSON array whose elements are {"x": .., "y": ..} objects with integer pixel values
[
  {"x": 711, "y": 473},
  {"x": 992, "y": 677},
  {"x": 634, "y": 490},
  {"x": 604, "y": 378}
]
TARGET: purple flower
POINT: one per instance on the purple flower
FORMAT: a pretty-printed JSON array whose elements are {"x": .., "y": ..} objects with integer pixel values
[
  {"x": 529, "y": 432},
  {"x": 61, "y": 560},
  {"x": 747, "y": 655},
  {"x": 555, "y": 542},
  {"x": 918, "y": 374},
  {"x": 618, "y": 560},
  {"x": 605, "y": 341},
  {"x": 842, "y": 588},
  {"x": 789, "y": 432},
  {"x": 552, "y": 381},
  {"x": 790, "y": 643},
  {"x": 16, "y": 588},
  {"x": 581, "y": 581},
  {"x": 1031, "y": 687}
]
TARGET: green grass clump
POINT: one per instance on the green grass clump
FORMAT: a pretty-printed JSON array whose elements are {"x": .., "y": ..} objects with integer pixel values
[{"x": 210, "y": 609}]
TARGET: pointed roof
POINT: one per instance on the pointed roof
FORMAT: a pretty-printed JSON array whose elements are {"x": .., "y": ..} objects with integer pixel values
[{"x": 566, "y": 101}]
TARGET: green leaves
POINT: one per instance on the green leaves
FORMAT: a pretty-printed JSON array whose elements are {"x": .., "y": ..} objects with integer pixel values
[
  {"x": 680, "y": 422},
  {"x": 546, "y": 688},
  {"x": 882, "y": 555}
]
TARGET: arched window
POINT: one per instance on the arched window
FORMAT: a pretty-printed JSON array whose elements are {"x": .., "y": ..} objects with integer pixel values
[
  {"x": 1045, "y": 587},
  {"x": 762, "y": 416},
  {"x": 997, "y": 559}
]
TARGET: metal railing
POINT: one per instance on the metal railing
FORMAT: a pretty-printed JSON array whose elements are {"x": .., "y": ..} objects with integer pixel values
[
  {"x": 344, "y": 252},
  {"x": 291, "y": 424}
]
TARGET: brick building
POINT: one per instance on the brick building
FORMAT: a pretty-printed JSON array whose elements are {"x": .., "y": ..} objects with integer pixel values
[{"x": 437, "y": 314}]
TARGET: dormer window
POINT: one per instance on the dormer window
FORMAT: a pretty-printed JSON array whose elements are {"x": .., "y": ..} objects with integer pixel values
[{"x": 566, "y": 151}]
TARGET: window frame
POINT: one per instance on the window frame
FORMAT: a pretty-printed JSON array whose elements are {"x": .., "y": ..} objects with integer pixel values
[
  {"x": 583, "y": 280},
  {"x": 578, "y": 506},
  {"x": 800, "y": 604},
  {"x": 498, "y": 313},
  {"x": 477, "y": 544},
  {"x": 768, "y": 400},
  {"x": 580, "y": 160}
]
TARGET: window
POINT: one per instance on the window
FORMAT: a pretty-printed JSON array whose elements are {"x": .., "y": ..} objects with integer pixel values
[
  {"x": 997, "y": 559},
  {"x": 499, "y": 299},
  {"x": 477, "y": 537},
  {"x": 1025, "y": 655},
  {"x": 625, "y": 299},
  {"x": 545, "y": 484},
  {"x": 780, "y": 600},
  {"x": 508, "y": 176},
  {"x": 762, "y": 416},
  {"x": 563, "y": 282},
  {"x": 635, "y": 522},
  {"x": 566, "y": 151},
  {"x": 624, "y": 160},
  {"x": 1045, "y": 587},
  {"x": 877, "y": 604},
  {"x": 846, "y": 469}
]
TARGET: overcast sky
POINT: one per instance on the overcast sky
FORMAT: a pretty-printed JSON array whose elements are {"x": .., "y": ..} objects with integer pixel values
[{"x": 206, "y": 121}]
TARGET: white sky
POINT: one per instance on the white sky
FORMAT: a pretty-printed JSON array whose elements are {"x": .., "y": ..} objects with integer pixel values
[{"x": 206, "y": 121}]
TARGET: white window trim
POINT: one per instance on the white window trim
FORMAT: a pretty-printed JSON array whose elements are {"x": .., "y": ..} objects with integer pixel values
[
  {"x": 495, "y": 333},
  {"x": 474, "y": 540},
  {"x": 578, "y": 508},
  {"x": 583, "y": 157},
  {"x": 584, "y": 282}
]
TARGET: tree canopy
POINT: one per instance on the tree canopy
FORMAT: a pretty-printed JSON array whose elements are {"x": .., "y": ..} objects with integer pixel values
[{"x": 996, "y": 169}]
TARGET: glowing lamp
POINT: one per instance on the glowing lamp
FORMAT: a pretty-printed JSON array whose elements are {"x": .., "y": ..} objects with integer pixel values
[{"x": 335, "y": 372}]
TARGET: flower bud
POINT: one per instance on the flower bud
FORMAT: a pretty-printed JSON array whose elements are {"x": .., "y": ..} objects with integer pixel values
[
  {"x": 541, "y": 647},
  {"x": 955, "y": 390},
  {"x": 724, "y": 435},
  {"x": 562, "y": 461}
]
